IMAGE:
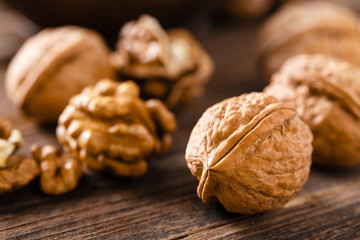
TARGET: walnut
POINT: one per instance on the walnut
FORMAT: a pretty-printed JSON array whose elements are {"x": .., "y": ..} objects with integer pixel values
[
  {"x": 308, "y": 27},
  {"x": 326, "y": 93},
  {"x": 109, "y": 128},
  {"x": 59, "y": 173},
  {"x": 247, "y": 8},
  {"x": 251, "y": 153},
  {"x": 15, "y": 170},
  {"x": 54, "y": 65},
  {"x": 168, "y": 65}
]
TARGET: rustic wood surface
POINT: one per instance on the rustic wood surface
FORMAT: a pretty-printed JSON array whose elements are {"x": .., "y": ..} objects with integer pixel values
[{"x": 163, "y": 203}]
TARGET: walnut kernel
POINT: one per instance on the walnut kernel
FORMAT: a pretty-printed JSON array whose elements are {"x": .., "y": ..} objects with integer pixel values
[
  {"x": 59, "y": 173},
  {"x": 109, "y": 128},
  {"x": 168, "y": 65}
]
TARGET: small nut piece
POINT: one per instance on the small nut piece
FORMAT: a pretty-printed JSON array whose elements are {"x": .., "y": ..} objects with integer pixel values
[
  {"x": 59, "y": 173},
  {"x": 54, "y": 65},
  {"x": 171, "y": 66},
  {"x": 251, "y": 153},
  {"x": 326, "y": 93},
  {"x": 308, "y": 27},
  {"x": 10, "y": 139},
  {"x": 109, "y": 128},
  {"x": 15, "y": 171}
]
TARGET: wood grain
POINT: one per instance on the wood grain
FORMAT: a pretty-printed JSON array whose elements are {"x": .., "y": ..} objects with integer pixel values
[{"x": 163, "y": 203}]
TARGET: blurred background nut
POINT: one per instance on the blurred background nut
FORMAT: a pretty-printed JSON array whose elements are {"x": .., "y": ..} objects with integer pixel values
[
  {"x": 247, "y": 8},
  {"x": 54, "y": 65},
  {"x": 251, "y": 153},
  {"x": 109, "y": 128},
  {"x": 15, "y": 171},
  {"x": 308, "y": 27},
  {"x": 59, "y": 173},
  {"x": 169, "y": 65},
  {"x": 326, "y": 93}
]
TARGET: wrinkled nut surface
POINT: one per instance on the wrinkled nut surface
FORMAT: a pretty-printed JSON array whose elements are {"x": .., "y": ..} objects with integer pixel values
[
  {"x": 168, "y": 65},
  {"x": 326, "y": 93},
  {"x": 251, "y": 153},
  {"x": 109, "y": 128},
  {"x": 15, "y": 170},
  {"x": 59, "y": 173},
  {"x": 54, "y": 65},
  {"x": 308, "y": 27}
]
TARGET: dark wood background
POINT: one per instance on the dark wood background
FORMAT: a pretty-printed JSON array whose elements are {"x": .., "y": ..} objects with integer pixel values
[{"x": 163, "y": 203}]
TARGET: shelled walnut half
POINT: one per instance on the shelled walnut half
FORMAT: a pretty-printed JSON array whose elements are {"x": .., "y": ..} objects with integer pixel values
[
  {"x": 54, "y": 65},
  {"x": 252, "y": 153},
  {"x": 109, "y": 128},
  {"x": 308, "y": 27},
  {"x": 15, "y": 171},
  {"x": 59, "y": 173},
  {"x": 168, "y": 65},
  {"x": 326, "y": 93}
]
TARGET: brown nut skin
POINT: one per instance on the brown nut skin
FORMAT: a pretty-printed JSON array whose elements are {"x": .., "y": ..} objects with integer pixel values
[
  {"x": 54, "y": 65},
  {"x": 326, "y": 94},
  {"x": 251, "y": 153},
  {"x": 168, "y": 65},
  {"x": 308, "y": 27},
  {"x": 59, "y": 173},
  {"x": 109, "y": 128}
]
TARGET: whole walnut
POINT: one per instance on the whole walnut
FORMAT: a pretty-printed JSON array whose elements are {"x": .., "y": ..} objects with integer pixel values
[
  {"x": 309, "y": 27},
  {"x": 251, "y": 153},
  {"x": 16, "y": 171},
  {"x": 59, "y": 173},
  {"x": 54, "y": 65},
  {"x": 326, "y": 93},
  {"x": 109, "y": 128},
  {"x": 168, "y": 65}
]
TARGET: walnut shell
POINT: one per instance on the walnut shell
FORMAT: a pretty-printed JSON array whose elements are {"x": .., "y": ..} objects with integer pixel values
[
  {"x": 109, "y": 128},
  {"x": 308, "y": 27},
  {"x": 54, "y": 65},
  {"x": 250, "y": 152},
  {"x": 168, "y": 65},
  {"x": 326, "y": 93}
]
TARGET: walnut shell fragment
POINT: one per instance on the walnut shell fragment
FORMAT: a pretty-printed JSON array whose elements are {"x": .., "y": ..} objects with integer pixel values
[
  {"x": 326, "y": 93},
  {"x": 59, "y": 173},
  {"x": 15, "y": 171},
  {"x": 54, "y": 65},
  {"x": 309, "y": 27},
  {"x": 168, "y": 65},
  {"x": 109, "y": 128},
  {"x": 251, "y": 153}
]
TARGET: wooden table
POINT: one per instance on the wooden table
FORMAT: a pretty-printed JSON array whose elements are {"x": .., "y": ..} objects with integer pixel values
[{"x": 163, "y": 203}]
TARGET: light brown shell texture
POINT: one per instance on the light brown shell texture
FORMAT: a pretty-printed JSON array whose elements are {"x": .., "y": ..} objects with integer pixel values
[
  {"x": 54, "y": 65},
  {"x": 308, "y": 27},
  {"x": 251, "y": 153},
  {"x": 326, "y": 93}
]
